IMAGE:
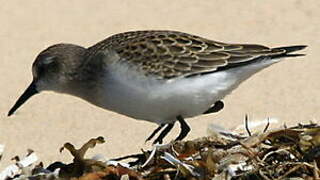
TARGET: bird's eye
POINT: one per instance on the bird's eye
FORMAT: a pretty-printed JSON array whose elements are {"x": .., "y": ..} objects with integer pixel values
[{"x": 47, "y": 64}]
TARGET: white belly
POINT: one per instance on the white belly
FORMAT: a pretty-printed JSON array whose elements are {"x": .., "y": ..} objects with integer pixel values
[{"x": 126, "y": 92}]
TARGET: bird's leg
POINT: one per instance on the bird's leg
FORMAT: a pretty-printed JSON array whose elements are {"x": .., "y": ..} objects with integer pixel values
[
  {"x": 155, "y": 132},
  {"x": 163, "y": 134},
  {"x": 185, "y": 129},
  {"x": 215, "y": 108}
]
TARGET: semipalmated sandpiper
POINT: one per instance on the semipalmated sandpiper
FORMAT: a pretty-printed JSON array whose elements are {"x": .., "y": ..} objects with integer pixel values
[{"x": 156, "y": 76}]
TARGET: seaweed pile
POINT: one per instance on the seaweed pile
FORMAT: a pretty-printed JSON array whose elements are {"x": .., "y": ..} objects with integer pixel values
[{"x": 285, "y": 153}]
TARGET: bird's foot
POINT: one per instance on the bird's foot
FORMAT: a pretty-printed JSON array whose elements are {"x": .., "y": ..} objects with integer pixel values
[{"x": 185, "y": 129}]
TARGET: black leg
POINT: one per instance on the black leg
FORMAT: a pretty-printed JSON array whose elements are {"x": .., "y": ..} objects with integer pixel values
[
  {"x": 155, "y": 132},
  {"x": 163, "y": 134},
  {"x": 185, "y": 129},
  {"x": 215, "y": 108}
]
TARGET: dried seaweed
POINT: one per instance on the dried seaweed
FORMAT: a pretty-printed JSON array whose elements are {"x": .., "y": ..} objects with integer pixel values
[{"x": 285, "y": 153}]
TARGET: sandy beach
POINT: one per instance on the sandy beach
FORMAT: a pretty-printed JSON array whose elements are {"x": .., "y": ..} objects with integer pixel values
[{"x": 288, "y": 91}]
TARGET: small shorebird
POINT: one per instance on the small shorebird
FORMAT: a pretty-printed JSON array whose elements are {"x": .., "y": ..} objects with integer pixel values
[{"x": 156, "y": 76}]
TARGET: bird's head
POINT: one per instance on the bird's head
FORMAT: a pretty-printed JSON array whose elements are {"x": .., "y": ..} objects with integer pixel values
[{"x": 53, "y": 70}]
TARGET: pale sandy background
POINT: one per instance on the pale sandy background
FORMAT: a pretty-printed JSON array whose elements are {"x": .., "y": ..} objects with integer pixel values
[{"x": 288, "y": 91}]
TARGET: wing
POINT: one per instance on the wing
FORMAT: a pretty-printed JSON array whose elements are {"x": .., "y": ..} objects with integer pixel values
[{"x": 172, "y": 54}]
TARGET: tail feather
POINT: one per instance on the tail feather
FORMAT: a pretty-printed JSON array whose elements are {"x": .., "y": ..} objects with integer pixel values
[{"x": 290, "y": 49}]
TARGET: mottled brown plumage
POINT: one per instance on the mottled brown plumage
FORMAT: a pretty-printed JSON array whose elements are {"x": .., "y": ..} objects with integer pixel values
[{"x": 171, "y": 54}]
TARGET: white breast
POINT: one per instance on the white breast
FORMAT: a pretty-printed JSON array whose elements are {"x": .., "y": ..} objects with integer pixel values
[{"x": 127, "y": 92}]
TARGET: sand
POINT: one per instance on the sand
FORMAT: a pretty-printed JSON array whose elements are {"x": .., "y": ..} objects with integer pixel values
[{"x": 288, "y": 91}]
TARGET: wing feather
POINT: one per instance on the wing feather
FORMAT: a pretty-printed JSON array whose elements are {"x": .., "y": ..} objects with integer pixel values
[{"x": 172, "y": 54}]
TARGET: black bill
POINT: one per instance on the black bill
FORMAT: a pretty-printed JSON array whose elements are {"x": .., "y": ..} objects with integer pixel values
[{"x": 30, "y": 91}]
